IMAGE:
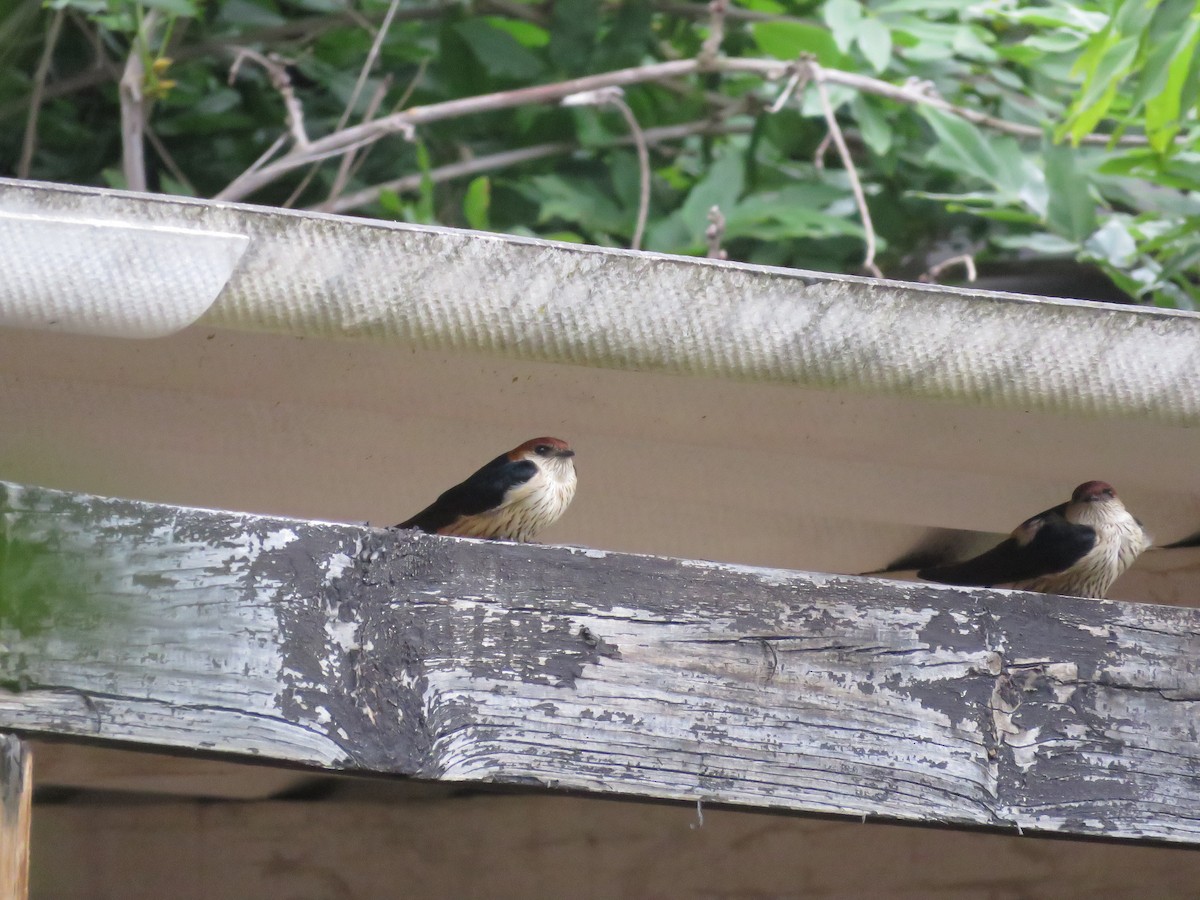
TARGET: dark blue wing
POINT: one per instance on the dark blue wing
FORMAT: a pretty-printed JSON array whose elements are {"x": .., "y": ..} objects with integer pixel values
[
  {"x": 482, "y": 491},
  {"x": 1193, "y": 541},
  {"x": 1042, "y": 545}
]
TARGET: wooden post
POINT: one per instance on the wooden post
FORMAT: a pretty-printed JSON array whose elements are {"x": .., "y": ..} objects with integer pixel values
[{"x": 16, "y": 792}]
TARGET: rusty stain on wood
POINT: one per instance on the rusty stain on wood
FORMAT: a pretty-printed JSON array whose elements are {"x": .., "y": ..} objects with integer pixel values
[
  {"x": 16, "y": 795},
  {"x": 358, "y": 649}
]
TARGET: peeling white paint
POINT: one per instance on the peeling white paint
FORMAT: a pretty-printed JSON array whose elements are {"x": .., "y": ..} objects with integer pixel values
[
  {"x": 336, "y": 564},
  {"x": 343, "y": 634},
  {"x": 279, "y": 539}
]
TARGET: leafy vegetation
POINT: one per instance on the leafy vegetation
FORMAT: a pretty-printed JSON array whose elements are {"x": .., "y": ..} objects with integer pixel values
[{"x": 1084, "y": 142}]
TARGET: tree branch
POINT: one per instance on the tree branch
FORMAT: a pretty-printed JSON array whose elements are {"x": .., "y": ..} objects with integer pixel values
[
  {"x": 346, "y": 167},
  {"x": 403, "y": 122},
  {"x": 133, "y": 106},
  {"x": 494, "y": 161},
  {"x": 966, "y": 260},
  {"x": 714, "y": 233},
  {"x": 839, "y": 141},
  {"x": 282, "y": 82},
  {"x": 614, "y": 96},
  {"x": 39, "y": 89}
]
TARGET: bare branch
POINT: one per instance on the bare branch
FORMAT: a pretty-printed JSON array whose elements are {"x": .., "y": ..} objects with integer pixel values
[
  {"x": 276, "y": 67},
  {"x": 133, "y": 106},
  {"x": 643, "y": 156},
  {"x": 798, "y": 81},
  {"x": 404, "y": 122},
  {"x": 368, "y": 65},
  {"x": 716, "y": 31},
  {"x": 346, "y": 165},
  {"x": 266, "y": 155},
  {"x": 39, "y": 89},
  {"x": 343, "y": 172},
  {"x": 614, "y": 96},
  {"x": 169, "y": 161},
  {"x": 822, "y": 149},
  {"x": 966, "y": 260},
  {"x": 400, "y": 104},
  {"x": 839, "y": 141},
  {"x": 495, "y": 161},
  {"x": 715, "y": 233},
  {"x": 292, "y": 31}
]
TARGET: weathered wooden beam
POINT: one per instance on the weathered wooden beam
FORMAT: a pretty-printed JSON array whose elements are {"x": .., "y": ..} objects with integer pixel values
[
  {"x": 359, "y": 649},
  {"x": 16, "y": 797}
]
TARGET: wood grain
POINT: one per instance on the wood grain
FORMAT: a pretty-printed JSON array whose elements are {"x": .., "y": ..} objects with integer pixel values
[
  {"x": 16, "y": 797},
  {"x": 357, "y": 649}
]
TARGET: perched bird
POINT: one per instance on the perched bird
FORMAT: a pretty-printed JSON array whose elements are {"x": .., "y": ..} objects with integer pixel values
[
  {"x": 1077, "y": 548},
  {"x": 512, "y": 498}
]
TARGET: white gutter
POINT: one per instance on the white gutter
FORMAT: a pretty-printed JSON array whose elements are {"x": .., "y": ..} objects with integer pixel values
[{"x": 331, "y": 276}]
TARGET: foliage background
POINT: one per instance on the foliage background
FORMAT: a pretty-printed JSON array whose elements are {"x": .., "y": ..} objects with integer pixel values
[{"x": 1122, "y": 74}]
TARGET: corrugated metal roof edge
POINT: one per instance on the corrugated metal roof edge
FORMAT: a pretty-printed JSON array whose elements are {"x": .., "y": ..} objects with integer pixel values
[{"x": 332, "y": 276}]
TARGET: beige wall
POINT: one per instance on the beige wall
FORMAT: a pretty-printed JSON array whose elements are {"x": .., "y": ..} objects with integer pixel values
[
  {"x": 407, "y": 844},
  {"x": 696, "y": 467}
]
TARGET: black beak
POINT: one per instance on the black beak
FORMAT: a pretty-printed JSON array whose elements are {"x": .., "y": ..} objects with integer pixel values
[{"x": 566, "y": 454}]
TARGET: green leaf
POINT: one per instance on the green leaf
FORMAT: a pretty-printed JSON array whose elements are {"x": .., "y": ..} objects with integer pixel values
[
  {"x": 498, "y": 51},
  {"x": 1041, "y": 243},
  {"x": 1132, "y": 16},
  {"x": 525, "y": 33},
  {"x": 1071, "y": 211},
  {"x": 722, "y": 186},
  {"x": 477, "y": 202},
  {"x": 578, "y": 202},
  {"x": 1164, "y": 111},
  {"x": 423, "y": 213},
  {"x": 1114, "y": 243},
  {"x": 875, "y": 42},
  {"x": 1100, "y": 88},
  {"x": 962, "y": 146},
  {"x": 248, "y": 14},
  {"x": 184, "y": 8},
  {"x": 787, "y": 40},
  {"x": 843, "y": 18},
  {"x": 873, "y": 125},
  {"x": 574, "y": 34},
  {"x": 391, "y": 203},
  {"x": 793, "y": 212}
]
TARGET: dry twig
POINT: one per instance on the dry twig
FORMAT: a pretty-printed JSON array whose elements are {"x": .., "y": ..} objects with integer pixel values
[
  {"x": 169, "y": 161},
  {"x": 614, "y": 96},
  {"x": 276, "y": 68},
  {"x": 966, "y": 260},
  {"x": 494, "y": 161},
  {"x": 133, "y": 105},
  {"x": 343, "y": 172},
  {"x": 822, "y": 149},
  {"x": 39, "y": 87},
  {"x": 715, "y": 233},
  {"x": 717, "y": 10},
  {"x": 839, "y": 141},
  {"x": 368, "y": 132},
  {"x": 349, "y": 163}
]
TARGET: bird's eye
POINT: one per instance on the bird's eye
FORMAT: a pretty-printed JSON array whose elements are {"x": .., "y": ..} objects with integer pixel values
[{"x": 541, "y": 449}]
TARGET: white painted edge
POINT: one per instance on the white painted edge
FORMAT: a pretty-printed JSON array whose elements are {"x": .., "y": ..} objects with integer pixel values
[{"x": 115, "y": 279}]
